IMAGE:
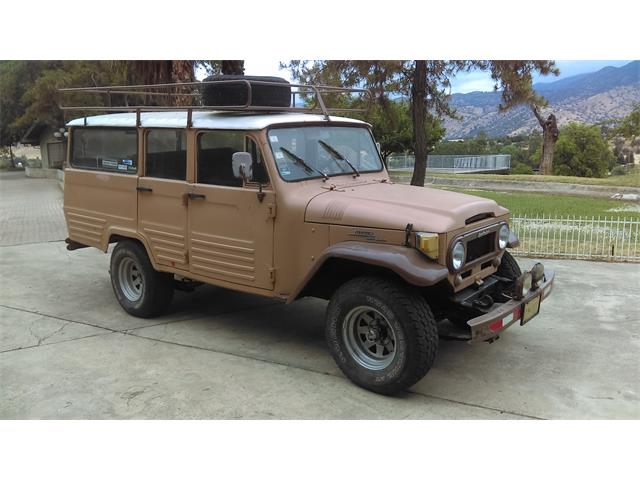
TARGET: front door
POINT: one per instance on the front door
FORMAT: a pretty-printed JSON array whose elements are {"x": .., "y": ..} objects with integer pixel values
[
  {"x": 162, "y": 197},
  {"x": 230, "y": 224}
]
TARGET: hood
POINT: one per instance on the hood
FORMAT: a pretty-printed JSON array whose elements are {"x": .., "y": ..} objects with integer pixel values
[{"x": 392, "y": 206}]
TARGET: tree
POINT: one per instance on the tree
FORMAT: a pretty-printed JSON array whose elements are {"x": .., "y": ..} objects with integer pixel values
[
  {"x": 582, "y": 152},
  {"x": 629, "y": 128},
  {"x": 29, "y": 89},
  {"x": 426, "y": 83},
  {"x": 391, "y": 127},
  {"x": 514, "y": 78},
  {"x": 16, "y": 77}
]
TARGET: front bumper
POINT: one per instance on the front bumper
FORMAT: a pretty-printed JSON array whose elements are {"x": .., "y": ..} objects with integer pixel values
[{"x": 503, "y": 315}]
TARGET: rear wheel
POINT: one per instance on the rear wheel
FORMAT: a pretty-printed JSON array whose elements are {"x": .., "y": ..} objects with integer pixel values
[
  {"x": 381, "y": 334},
  {"x": 140, "y": 289}
]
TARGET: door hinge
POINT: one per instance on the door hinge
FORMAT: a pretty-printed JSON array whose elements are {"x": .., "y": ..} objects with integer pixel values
[
  {"x": 272, "y": 274},
  {"x": 272, "y": 210}
]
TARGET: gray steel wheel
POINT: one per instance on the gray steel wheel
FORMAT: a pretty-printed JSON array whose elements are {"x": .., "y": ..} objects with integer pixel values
[
  {"x": 369, "y": 338},
  {"x": 130, "y": 279}
]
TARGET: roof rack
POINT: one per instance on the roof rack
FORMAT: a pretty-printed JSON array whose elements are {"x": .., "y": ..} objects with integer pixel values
[{"x": 187, "y": 96}]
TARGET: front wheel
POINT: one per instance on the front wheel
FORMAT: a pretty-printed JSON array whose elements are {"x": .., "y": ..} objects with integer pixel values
[
  {"x": 140, "y": 289},
  {"x": 381, "y": 334}
]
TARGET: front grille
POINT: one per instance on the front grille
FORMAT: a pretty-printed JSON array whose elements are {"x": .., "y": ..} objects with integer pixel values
[{"x": 481, "y": 246}]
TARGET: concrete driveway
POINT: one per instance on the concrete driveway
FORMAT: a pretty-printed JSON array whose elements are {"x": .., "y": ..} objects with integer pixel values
[{"x": 67, "y": 349}]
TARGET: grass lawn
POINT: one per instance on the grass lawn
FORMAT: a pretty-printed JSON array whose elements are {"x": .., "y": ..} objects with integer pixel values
[
  {"x": 630, "y": 180},
  {"x": 559, "y": 205}
]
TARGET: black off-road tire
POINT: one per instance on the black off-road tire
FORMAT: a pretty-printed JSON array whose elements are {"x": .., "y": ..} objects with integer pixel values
[
  {"x": 406, "y": 312},
  {"x": 156, "y": 292},
  {"x": 235, "y": 94},
  {"x": 508, "y": 267}
]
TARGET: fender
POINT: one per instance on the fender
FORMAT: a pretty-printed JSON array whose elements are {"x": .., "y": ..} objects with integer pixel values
[{"x": 406, "y": 262}]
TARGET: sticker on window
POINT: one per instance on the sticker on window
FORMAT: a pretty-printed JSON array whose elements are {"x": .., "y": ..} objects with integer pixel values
[
  {"x": 279, "y": 155},
  {"x": 122, "y": 167},
  {"x": 109, "y": 163},
  {"x": 273, "y": 138},
  {"x": 126, "y": 161}
]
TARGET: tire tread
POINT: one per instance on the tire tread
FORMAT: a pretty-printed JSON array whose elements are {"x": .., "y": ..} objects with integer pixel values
[{"x": 424, "y": 329}]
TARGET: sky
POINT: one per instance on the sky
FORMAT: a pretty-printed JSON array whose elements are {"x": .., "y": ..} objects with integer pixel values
[{"x": 463, "y": 82}]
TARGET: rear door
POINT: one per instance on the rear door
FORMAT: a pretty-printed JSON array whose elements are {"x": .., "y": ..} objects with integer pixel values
[
  {"x": 230, "y": 223},
  {"x": 162, "y": 201},
  {"x": 100, "y": 183}
]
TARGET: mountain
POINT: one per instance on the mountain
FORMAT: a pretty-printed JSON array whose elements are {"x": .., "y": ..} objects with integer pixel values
[{"x": 589, "y": 97}]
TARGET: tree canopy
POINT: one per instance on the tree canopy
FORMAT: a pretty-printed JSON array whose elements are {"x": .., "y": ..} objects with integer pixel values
[
  {"x": 582, "y": 152},
  {"x": 629, "y": 128},
  {"x": 29, "y": 89},
  {"x": 426, "y": 83}
]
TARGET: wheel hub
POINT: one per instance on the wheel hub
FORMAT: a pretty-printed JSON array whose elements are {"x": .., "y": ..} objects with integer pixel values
[
  {"x": 369, "y": 338},
  {"x": 130, "y": 279},
  {"x": 373, "y": 334}
]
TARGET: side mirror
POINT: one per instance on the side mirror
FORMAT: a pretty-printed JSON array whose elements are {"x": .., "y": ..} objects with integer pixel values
[{"x": 241, "y": 162}]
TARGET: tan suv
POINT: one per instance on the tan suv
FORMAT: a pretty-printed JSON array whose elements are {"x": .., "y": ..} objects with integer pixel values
[{"x": 289, "y": 204}]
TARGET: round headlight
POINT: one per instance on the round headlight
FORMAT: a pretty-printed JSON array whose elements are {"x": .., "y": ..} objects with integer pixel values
[
  {"x": 503, "y": 236},
  {"x": 457, "y": 256}
]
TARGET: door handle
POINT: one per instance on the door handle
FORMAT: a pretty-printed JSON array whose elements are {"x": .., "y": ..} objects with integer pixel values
[
  {"x": 196, "y": 196},
  {"x": 144, "y": 189}
]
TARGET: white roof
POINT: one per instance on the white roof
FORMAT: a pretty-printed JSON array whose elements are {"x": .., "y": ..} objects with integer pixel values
[{"x": 214, "y": 120}]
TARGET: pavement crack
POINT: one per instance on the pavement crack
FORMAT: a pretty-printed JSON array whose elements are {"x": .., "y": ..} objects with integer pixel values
[
  {"x": 35, "y": 312},
  {"x": 297, "y": 367},
  {"x": 47, "y": 337},
  {"x": 56, "y": 343},
  {"x": 469, "y": 404}
]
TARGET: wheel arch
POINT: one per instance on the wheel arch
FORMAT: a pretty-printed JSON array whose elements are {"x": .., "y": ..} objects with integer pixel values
[
  {"x": 115, "y": 235},
  {"x": 341, "y": 262}
]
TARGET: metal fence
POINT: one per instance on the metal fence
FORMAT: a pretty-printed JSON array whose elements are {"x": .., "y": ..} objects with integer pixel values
[
  {"x": 453, "y": 163},
  {"x": 613, "y": 239}
]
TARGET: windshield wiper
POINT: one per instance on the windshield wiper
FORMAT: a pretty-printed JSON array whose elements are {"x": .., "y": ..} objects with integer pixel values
[
  {"x": 299, "y": 161},
  {"x": 338, "y": 155}
]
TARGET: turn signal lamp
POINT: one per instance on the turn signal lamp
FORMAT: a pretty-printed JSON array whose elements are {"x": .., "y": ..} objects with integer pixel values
[{"x": 427, "y": 243}]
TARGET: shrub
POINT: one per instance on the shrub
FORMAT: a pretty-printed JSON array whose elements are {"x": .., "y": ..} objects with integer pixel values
[
  {"x": 619, "y": 170},
  {"x": 582, "y": 152},
  {"x": 521, "y": 169}
]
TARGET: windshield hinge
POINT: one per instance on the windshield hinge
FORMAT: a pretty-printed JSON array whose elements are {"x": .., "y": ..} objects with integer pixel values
[
  {"x": 272, "y": 274},
  {"x": 272, "y": 210}
]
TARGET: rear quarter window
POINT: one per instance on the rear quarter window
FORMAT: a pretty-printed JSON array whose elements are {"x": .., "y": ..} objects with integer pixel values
[{"x": 108, "y": 149}]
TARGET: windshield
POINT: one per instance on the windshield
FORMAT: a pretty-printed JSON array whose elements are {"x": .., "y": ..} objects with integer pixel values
[{"x": 312, "y": 152}]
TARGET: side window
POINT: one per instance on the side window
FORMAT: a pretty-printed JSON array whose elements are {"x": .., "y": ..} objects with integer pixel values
[
  {"x": 166, "y": 154},
  {"x": 215, "y": 152},
  {"x": 109, "y": 149}
]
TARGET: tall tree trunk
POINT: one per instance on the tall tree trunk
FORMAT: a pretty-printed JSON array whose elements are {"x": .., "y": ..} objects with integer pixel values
[
  {"x": 232, "y": 67},
  {"x": 13, "y": 160},
  {"x": 549, "y": 138},
  {"x": 418, "y": 113}
]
